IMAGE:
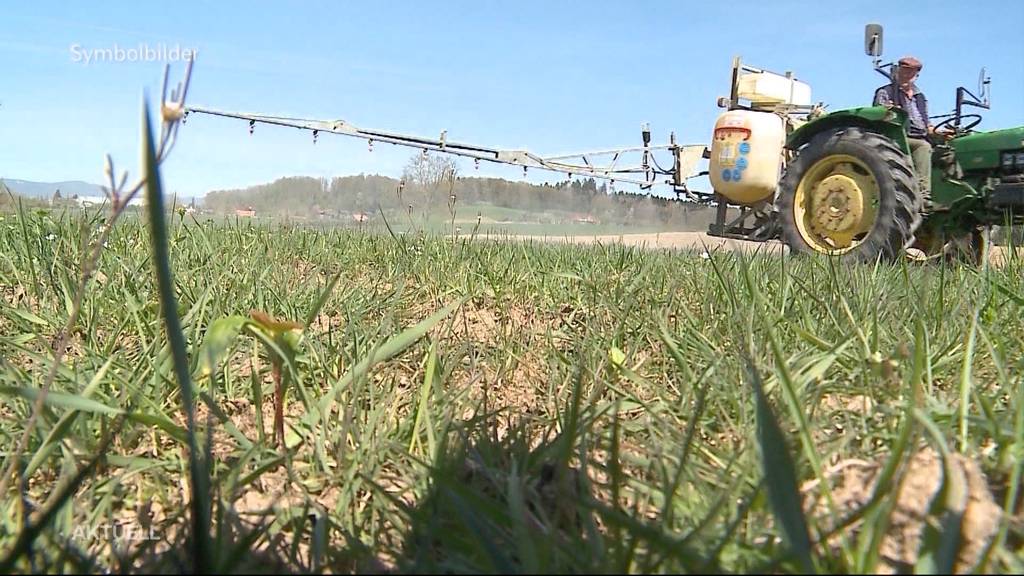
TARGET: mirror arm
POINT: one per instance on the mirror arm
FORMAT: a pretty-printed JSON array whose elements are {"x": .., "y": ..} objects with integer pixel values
[
  {"x": 959, "y": 107},
  {"x": 973, "y": 101},
  {"x": 881, "y": 69}
]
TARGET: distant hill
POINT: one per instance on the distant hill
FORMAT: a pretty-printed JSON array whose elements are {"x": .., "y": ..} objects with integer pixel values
[
  {"x": 92, "y": 193},
  {"x": 45, "y": 190}
]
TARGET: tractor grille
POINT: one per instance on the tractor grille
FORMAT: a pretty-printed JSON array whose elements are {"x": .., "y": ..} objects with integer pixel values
[
  {"x": 1008, "y": 194},
  {"x": 1011, "y": 162}
]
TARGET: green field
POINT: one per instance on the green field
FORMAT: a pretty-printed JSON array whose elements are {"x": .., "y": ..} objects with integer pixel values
[{"x": 476, "y": 405}]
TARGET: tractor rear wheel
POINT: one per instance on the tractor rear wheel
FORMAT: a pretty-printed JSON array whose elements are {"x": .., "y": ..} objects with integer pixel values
[{"x": 850, "y": 193}]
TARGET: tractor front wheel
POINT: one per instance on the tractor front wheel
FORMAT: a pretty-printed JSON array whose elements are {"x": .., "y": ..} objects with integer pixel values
[
  {"x": 970, "y": 247},
  {"x": 850, "y": 193}
]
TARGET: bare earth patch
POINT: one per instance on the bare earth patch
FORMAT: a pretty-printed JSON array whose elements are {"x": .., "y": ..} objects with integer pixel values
[{"x": 854, "y": 481}]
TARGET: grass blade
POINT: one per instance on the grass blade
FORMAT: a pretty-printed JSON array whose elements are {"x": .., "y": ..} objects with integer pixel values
[
  {"x": 198, "y": 473},
  {"x": 780, "y": 476}
]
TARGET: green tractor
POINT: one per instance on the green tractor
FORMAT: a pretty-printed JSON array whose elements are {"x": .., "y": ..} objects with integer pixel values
[{"x": 848, "y": 187}]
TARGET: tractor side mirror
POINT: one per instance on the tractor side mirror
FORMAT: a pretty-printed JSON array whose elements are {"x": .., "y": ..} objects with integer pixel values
[{"x": 873, "y": 40}]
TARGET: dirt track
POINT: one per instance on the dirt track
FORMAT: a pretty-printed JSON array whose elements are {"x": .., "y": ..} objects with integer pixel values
[
  {"x": 683, "y": 240},
  {"x": 699, "y": 241}
]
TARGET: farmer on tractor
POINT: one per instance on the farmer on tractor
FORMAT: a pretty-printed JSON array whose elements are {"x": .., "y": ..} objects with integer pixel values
[{"x": 903, "y": 93}]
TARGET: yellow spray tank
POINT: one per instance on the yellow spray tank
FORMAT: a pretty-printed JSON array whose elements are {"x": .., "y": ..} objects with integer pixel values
[{"x": 746, "y": 155}]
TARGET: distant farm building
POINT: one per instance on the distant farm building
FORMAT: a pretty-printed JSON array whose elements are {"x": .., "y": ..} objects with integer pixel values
[
  {"x": 87, "y": 201},
  {"x": 360, "y": 217},
  {"x": 90, "y": 200},
  {"x": 245, "y": 212},
  {"x": 585, "y": 219}
]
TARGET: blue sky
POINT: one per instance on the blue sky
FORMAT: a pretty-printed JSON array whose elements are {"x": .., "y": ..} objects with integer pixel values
[{"x": 550, "y": 77}]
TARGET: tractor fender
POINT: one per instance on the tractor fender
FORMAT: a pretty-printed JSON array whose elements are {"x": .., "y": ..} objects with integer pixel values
[{"x": 889, "y": 122}]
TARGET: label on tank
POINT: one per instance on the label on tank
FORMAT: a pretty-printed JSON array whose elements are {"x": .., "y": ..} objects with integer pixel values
[
  {"x": 744, "y": 147},
  {"x": 727, "y": 175},
  {"x": 741, "y": 163},
  {"x": 736, "y": 174},
  {"x": 727, "y": 156}
]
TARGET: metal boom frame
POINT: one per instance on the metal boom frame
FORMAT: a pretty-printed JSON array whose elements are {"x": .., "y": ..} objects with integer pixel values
[{"x": 684, "y": 157}]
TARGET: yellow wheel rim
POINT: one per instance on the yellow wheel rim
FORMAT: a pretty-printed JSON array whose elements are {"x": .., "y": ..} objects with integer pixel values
[{"x": 836, "y": 204}]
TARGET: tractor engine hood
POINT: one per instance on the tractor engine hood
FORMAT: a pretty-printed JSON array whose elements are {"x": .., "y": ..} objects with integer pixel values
[{"x": 981, "y": 150}]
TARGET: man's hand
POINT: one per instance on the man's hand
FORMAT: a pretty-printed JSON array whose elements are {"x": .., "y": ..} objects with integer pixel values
[
  {"x": 890, "y": 105},
  {"x": 946, "y": 133}
]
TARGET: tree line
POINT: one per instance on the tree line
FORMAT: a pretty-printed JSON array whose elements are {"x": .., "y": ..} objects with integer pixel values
[{"x": 431, "y": 184}]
